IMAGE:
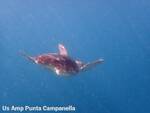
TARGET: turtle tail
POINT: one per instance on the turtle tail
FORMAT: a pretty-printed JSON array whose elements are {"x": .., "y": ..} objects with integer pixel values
[{"x": 27, "y": 56}]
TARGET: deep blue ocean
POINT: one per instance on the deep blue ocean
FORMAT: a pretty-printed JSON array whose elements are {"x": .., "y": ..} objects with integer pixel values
[{"x": 118, "y": 31}]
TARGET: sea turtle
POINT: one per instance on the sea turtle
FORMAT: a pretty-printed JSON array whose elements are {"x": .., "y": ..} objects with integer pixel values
[{"x": 61, "y": 63}]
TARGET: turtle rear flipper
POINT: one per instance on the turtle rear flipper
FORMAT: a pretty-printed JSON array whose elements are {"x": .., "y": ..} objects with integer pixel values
[{"x": 92, "y": 64}]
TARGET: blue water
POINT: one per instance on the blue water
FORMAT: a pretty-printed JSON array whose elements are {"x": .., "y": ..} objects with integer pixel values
[{"x": 117, "y": 31}]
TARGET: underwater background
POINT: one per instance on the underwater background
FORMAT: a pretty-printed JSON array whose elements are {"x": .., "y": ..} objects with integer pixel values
[{"x": 118, "y": 31}]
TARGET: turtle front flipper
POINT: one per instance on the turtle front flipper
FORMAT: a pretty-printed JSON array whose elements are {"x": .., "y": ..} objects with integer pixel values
[
  {"x": 91, "y": 64},
  {"x": 62, "y": 50}
]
